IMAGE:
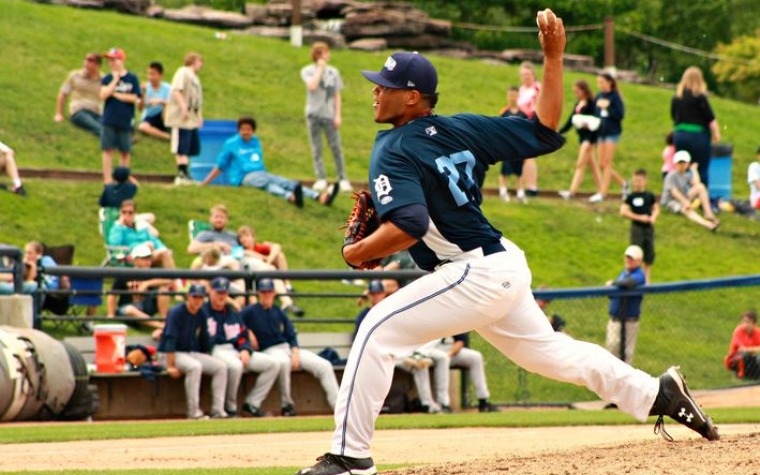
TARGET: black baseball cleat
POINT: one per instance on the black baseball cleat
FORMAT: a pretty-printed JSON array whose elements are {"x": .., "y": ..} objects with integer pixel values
[
  {"x": 331, "y": 464},
  {"x": 253, "y": 410},
  {"x": 288, "y": 410},
  {"x": 674, "y": 400}
]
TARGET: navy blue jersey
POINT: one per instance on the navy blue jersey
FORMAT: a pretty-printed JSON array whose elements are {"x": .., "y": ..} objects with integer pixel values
[
  {"x": 227, "y": 326},
  {"x": 440, "y": 162},
  {"x": 184, "y": 332},
  {"x": 117, "y": 113},
  {"x": 271, "y": 326},
  {"x": 627, "y": 308}
]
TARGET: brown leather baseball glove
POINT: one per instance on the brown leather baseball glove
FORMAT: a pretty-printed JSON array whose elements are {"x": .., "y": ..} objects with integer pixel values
[{"x": 362, "y": 222}]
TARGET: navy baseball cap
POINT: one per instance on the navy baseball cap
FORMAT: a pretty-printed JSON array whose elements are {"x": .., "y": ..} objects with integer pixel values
[
  {"x": 406, "y": 71},
  {"x": 197, "y": 290},
  {"x": 265, "y": 285},
  {"x": 375, "y": 287},
  {"x": 221, "y": 284}
]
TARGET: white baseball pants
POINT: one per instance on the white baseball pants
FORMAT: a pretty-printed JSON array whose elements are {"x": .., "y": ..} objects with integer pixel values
[
  {"x": 193, "y": 365},
  {"x": 492, "y": 295},
  {"x": 267, "y": 367},
  {"x": 311, "y": 363}
]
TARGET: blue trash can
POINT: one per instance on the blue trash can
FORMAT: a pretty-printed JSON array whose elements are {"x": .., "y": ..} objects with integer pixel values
[
  {"x": 213, "y": 134},
  {"x": 720, "y": 171}
]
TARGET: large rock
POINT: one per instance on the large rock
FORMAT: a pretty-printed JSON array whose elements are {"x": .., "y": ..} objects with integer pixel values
[
  {"x": 280, "y": 32},
  {"x": 76, "y": 3},
  {"x": 382, "y": 23},
  {"x": 335, "y": 40},
  {"x": 135, "y": 7},
  {"x": 208, "y": 17},
  {"x": 369, "y": 44},
  {"x": 329, "y": 8}
]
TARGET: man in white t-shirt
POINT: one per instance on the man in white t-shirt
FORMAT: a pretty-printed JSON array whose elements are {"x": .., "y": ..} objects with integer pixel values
[
  {"x": 184, "y": 114},
  {"x": 753, "y": 178}
]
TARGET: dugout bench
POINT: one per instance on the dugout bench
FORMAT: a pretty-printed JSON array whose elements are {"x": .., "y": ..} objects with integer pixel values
[{"x": 129, "y": 395}]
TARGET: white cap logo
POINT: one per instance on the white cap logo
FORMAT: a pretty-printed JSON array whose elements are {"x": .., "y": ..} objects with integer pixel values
[
  {"x": 410, "y": 84},
  {"x": 390, "y": 63}
]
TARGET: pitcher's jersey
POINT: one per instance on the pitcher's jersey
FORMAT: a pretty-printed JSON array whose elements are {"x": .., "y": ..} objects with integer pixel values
[{"x": 440, "y": 162}]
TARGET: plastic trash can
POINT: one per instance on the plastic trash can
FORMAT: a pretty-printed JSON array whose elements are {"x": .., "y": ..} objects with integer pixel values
[
  {"x": 213, "y": 134},
  {"x": 720, "y": 171}
]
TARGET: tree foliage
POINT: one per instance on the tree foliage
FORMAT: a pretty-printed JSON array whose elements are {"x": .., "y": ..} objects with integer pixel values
[{"x": 740, "y": 78}]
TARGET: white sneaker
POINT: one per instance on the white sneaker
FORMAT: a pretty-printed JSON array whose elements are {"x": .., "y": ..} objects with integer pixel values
[
  {"x": 596, "y": 198},
  {"x": 504, "y": 196},
  {"x": 565, "y": 194},
  {"x": 320, "y": 185},
  {"x": 182, "y": 179},
  {"x": 521, "y": 197},
  {"x": 345, "y": 186}
]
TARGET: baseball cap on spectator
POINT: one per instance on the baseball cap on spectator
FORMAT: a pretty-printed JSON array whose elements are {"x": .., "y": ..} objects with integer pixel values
[
  {"x": 682, "y": 156},
  {"x": 197, "y": 290},
  {"x": 120, "y": 174},
  {"x": 375, "y": 287},
  {"x": 141, "y": 250},
  {"x": 116, "y": 53},
  {"x": 221, "y": 284},
  {"x": 265, "y": 285},
  {"x": 405, "y": 70},
  {"x": 634, "y": 252}
]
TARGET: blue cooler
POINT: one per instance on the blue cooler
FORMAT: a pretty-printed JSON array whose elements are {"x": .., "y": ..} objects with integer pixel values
[
  {"x": 212, "y": 136},
  {"x": 720, "y": 171}
]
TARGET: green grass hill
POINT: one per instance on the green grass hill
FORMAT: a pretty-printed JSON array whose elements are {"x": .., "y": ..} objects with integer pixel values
[{"x": 568, "y": 244}]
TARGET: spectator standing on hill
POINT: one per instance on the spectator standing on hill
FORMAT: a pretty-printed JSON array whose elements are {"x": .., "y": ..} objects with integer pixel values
[
  {"x": 528, "y": 97},
  {"x": 276, "y": 337},
  {"x": 184, "y": 348},
  {"x": 512, "y": 167},
  {"x": 230, "y": 342},
  {"x": 586, "y": 125},
  {"x": 743, "y": 356},
  {"x": 610, "y": 110},
  {"x": 121, "y": 91},
  {"x": 667, "y": 155},
  {"x": 642, "y": 209},
  {"x": 753, "y": 179},
  {"x": 623, "y": 327},
  {"x": 324, "y": 114},
  {"x": 156, "y": 94},
  {"x": 682, "y": 189},
  {"x": 127, "y": 232},
  {"x": 693, "y": 120},
  {"x": 140, "y": 298},
  {"x": 83, "y": 85},
  {"x": 8, "y": 164},
  {"x": 184, "y": 115},
  {"x": 242, "y": 160}
]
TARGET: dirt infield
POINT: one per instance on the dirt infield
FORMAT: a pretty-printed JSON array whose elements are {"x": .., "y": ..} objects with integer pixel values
[{"x": 592, "y": 450}]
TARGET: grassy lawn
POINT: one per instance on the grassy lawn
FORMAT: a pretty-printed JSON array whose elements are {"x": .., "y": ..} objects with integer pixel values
[
  {"x": 535, "y": 418},
  {"x": 567, "y": 244}
]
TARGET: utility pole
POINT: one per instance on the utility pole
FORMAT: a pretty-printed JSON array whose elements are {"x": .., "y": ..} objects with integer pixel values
[
  {"x": 609, "y": 43},
  {"x": 296, "y": 24}
]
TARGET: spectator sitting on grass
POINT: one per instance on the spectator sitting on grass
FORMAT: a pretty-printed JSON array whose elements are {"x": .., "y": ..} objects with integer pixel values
[
  {"x": 83, "y": 85},
  {"x": 218, "y": 236},
  {"x": 128, "y": 233},
  {"x": 123, "y": 187},
  {"x": 242, "y": 159},
  {"x": 140, "y": 298},
  {"x": 155, "y": 97},
  {"x": 753, "y": 179},
  {"x": 8, "y": 163},
  {"x": 682, "y": 189},
  {"x": 744, "y": 351},
  {"x": 267, "y": 252}
]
